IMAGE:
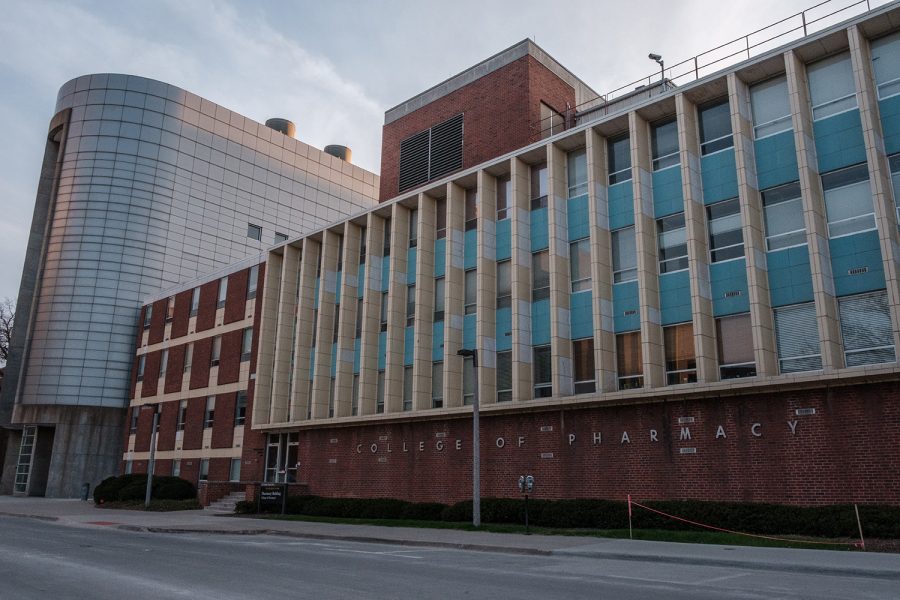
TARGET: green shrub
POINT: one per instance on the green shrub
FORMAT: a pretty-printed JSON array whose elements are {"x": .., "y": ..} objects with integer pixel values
[
  {"x": 108, "y": 489},
  {"x": 173, "y": 488},
  {"x": 245, "y": 507},
  {"x": 134, "y": 487}
]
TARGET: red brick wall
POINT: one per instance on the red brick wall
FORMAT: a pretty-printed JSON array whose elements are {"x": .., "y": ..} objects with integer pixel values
[
  {"x": 193, "y": 424},
  {"x": 175, "y": 369},
  {"x": 144, "y": 428},
  {"x": 182, "y": 314},
  {"x": 206, "y": 311},
  {"x": 230, "y": 358},
  {"x": 168, "y": 421},
  {"x": 200, "y": 363},
  {"x": 236, "y": 296},
  {"x": 151, "y": 374},
  {"x": 223, "y": 426},
  {"x": 253, "y": 459},
  {"x": 158, "y": 322}
]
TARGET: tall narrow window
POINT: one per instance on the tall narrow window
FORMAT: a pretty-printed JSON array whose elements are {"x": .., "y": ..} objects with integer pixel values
[
  {"x": 164, "y": 362},
  {"x": 216, "y": 351},
  {"x": 471, "y": 291},
  {"x": 386, "y": 248},
  {"x": 195, "y": 301},
  {"x": 848, "y": 201},
  {"x": 142, "y": 364},
  {"x": 715, "y": 127},
  {"x": 407, "y": 387},
  {"x": 539, "y": 188},
  {"x": 204, "y": 469},
  {"x": 504, "y": 197},
  {"x": 771, "y": 107},
  {"x": 170, "y": 309},
  {"x": 624, "y": 255},
  {"x": 331, "y": 398},
  {"x": 504, "y": 284},
  {"x": 384, "y": 311},
  {"x": 438, "y": 299},
  {"x": 148, "y": 315},
  {"x": 234, "y": 471},
  {"x": 734, "y": 339},
  {"x": 471, "y": 209},
  {"x": 223, "y": 292},
  {"x": 577, "y": 173},
  {"x": 176, "y": 467},
  {"x": 379, "y": 393},
  {"x": 886, "y": 63},
  {"x": 315, "y": 327},
  {"x": 672, "y": 238},
  {"x": 619, "y": 159},
  {"x": 664, "y": 145},
  {"x": 335, "y": 323},
  {"x": 182, "y": 414},
  {"x": 783, "y": 215},
  {"x": 357, "y": 332},
  {"x": 247, "y": 343},
  {"x": 726, "y": 238},
  {"x": 894, "y": 161},
  {"x": 437, "y": 385},
  {"x": 254, "y": 232},
  {"x": 210, "y": 413},
  {"x": 866, "y": 329},
  {"x": 188, "y": 356},
  {"x": 543, "y": 372},
  {"x": 240, "y": 408},
  {"x": 362, "y": 246},
  {"x": 504, "y": 376},
  {"x": 540, "y": 276},
  {"x": 440, "y": 219},
  {"x": 681, "y": 363},
  {"x": 629, "y": 361},
  {"x": 831, "y": 86},
  {"x": 413, "y": 228},
  {"x": 252, "y": 282},
  {"x": 354, "y": 396},
  {"x": 583, "y": 361},
  {"x": 797, "y": 337},
  {"x": 468, "y": 381},
  {"x": 580, "y": 265},
  {"x": 410, "y": 305},
  {"x": 135, "y": 415}
]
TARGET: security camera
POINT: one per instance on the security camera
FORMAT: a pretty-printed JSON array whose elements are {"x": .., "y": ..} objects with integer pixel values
[{"x": 655, "y": 57}]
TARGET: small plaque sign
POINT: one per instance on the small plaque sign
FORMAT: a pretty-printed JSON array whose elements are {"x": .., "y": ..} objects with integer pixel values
[{"x": 271, "y": 496}]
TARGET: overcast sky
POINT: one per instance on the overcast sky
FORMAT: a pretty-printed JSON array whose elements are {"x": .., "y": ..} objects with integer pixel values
[{"x": 331, "y": 67}]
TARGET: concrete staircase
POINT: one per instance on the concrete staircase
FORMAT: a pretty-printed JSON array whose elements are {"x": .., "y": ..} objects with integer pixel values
[{"x": 226, "y": 504}]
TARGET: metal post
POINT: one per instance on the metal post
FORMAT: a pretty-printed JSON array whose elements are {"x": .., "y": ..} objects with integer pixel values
[
  {"x": 150, "y": 464},
  {"x": 862, "y": 541},
  {"x": 526, "y": 515},
  {"x": 476, "y": 450}
]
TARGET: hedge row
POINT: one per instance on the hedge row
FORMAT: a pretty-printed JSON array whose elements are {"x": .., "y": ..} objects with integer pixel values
[
  {"x": 821, "y": 521},
  {"x": 134, "y": 487}
]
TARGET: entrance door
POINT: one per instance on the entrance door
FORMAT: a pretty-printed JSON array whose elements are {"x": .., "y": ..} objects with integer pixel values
[{"x": 281, "y": 457}]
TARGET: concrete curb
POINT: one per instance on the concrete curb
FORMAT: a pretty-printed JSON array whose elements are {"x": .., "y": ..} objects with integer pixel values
[{"x": 39, "y": 517}]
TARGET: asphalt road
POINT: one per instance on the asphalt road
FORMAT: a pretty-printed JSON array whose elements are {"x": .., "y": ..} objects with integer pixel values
[{"x": 47, "y": 560}]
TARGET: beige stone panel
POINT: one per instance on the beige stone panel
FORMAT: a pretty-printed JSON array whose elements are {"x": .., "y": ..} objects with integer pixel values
[
  {"x": 268, "y": 326},
  {"x": 520, "y": 276},
  {"x": 285, "y": 340},
  {"x": 327, "y": 313},
  {"x": 396, "y": 324},
  {"x": 814, "y": 214},
  {"x": 486, "y": 319},
  {"x": 454, "y": 295},
  {"x": 343, "y": 388},
  {"x": 424, "y": 322},
  {"x": 368, "y": 354},
  {"x": 306, "y": 323},
  {"x": 562, "y": 376}
]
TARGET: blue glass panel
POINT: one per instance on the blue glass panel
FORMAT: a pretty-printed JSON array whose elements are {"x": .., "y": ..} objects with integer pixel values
[
  {"x": 385, "y": 273},
  {"x": 578, "y": 217},
  {"x": 776, "y": 160},
  {"x": 361, "y": 281},
  {"x": 316, "y": 296},
  {"x": 540, "y": 322},
  {"x": 539, "y": 237},
  {"x": 469, "y": 331},
  {"x": 333, "y": 361},
  {"x": 725, "y": 278},
  {"x": 504, "y": 329},
  {"x": 411, "y": 266},
  {"x": 839, "y": 141},
  {"x": 719, "y": 175},
  {"x": 675, "y": 297},
  {"x": 409, "y": 345},
  {"x": 621, "y": 205},
  {"x": 382, "y": 349},
  {"x": 626, "y": 316},
  {"x": 890, "y": 123},
  {"x": 470, "y": 259},
  {"x": 437, "y": 348},
  {"x": 356, "y": 353},
  {"x": 859, "y": 254},
  {"x": 312, "y": 360},
  {"x": 440, "y": 257},
  {"x": 790, "y": 280},
  {"x": 582, "y": 315},
  {"x": 667, "y": 196},
  {"x": 337, "y": 283},
  {"x": 504, "y": 237}
]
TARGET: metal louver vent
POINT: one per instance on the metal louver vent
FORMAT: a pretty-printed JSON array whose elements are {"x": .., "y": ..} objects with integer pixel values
[
  {"x": 414, "y": 160},
  {"x": 431, "y": 153}
]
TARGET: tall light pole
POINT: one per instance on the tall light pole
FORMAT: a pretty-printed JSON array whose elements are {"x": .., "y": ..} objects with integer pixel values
[
  {"x": 150, "y": 464},
  {"x": 476, "y": 442}
]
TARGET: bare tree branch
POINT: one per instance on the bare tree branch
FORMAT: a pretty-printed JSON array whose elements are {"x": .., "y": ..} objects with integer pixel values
[{"x": 7, "y": 317}]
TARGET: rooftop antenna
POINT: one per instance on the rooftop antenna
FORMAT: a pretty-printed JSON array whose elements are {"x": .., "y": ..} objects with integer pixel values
[{"x": 662, "y": 67}]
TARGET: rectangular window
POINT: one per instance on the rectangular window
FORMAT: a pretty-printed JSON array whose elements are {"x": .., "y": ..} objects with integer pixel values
[
  {"x": 671, "y": 236},
  {"x": 164, "y": 362},
  {"x": 240, "y": 408},
  {"x": 413, "y": 228},
  {"x": 441, "y": 219},
  {"x": 577, "y": 173},
  {"x": 384, "y": 311},
  {"x": 681, "y": 363},
  {"x": 866, "y": 329},
  {"x": 619, "y": 159},
  {"x": 894, "y": 162},
  {"x": 471, "y": 291},
  {"x": 468, "y": 381},
  {"x": 504, "y": 284},
  {"x": 848, "y": 201},
  {"x": 629, "y": 361},
  {"x": 726, "y": 237},
  {"x": 204, "y": 469},
  {"x": 437, "y": 385},
  {"x": 359, "y": 318},
  {"x": 439, "y": 299},
  {"x": 664, "y": 144},
  {"x": 407, "y": 387},
  {"x": 504, "y": 376},
  {"x": 540, "y": 276},
  {"x": 176, "y": 467},
  {"x": 797, "y": 338},
  {"x": 783, "y": 216},
  {"x": 335, "y": 323},
  {"x": 580, "y": 265},
  {"x": 182, "y": 413},
  {"x": 354, "y": 396},
  {"x": 254, "y": 232},
  {"x": 148, "y": 315},
  {"x": 543, "y": 372},
  {"x": 223, "y": 292},
  {"x": 252, "y": 280},
  {"x": 539, "y": 188},
  {"x": 715, "y": 127},
  {"x": 583, "y": 362},
  {"x": 142, "y": 363},
  {"x": 504, "y": 197},
  {"x": 471, "y": 209},
  {"x": 331, "y": 398},
  {"x": 771, "y": 107},
  {"x": 886, "y": 63},
  {"x": 216, "y": 353},
  {"x": 734, "y": 341},
  {"x": 362, "y": 246},
  {"x": 410, "y": 305},
  {"x": 195, "y": 301},
  {"x": 234, "y": 473},
  {"x": 379, "y": 393},
  {"x": 188, "y": 356},
  {"x": 135, "y": 415},
  {"x": 246, "y": 343},
  {"x": 210, "y": 412},
  {"x": 624, "y": 255},
  {"x": 386, "y": 247},
  {"x": 831, "y": 86},
  {"x": 280, "y": 237},
  {"x": 129, "y": 466},
  {"x": 170, "y": 309}
]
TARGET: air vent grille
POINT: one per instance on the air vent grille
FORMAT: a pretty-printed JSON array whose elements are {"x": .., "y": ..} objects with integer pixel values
[{"x": 432, "y": 153}]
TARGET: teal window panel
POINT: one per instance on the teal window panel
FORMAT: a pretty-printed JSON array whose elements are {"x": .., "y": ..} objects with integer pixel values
[
  {"x": 337, "y": 283},
  {"x": 437, "y": 348},
  {"x": 469, "y": 331},
  {"x": 776, "y": 160},
  {"x": 675, "y": 297},
  {"x": 540, "y": 322},
  {"x": 890, "y": 123},
  {"x": 719, "y": 174},
  {"x": 578, "y": 218},
  {"x": 411, "y": 266},
  {"x": 470, "y": 258},
  {"x": 504, "y": 329},
  {"x": 839, "y": 141},
  {"x": 621, "y": 205},
  {"x": 539, "y": 237},
  {"x": 312, "y": 360},
  {"x": 361, "y": 281},
  {"x": 385, "y": 273},
  {"x": 790, "y": 277},
  {"x": 356, "y": 354},
  {"x": 582, "y": 314},
  {"x": 316, "y": 296},
  {"x": 504, "y": 239},
  {"x": 725, "y": 279},
  {"x": 333, "y": 359},
  {"x": 409, "y": 345},
  {"x": 382, "y": 349},
  {"x": 440, "y": 257},
  {"x": 667, "y": 196},
  {"x": 626, "y": 316},
  {"x": 856, "y": 263}
]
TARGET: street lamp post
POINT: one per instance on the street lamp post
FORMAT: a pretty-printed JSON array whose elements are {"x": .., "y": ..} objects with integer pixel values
[
  {"x": 150, "y": 463},
  {"x": 476, "y": 442}
]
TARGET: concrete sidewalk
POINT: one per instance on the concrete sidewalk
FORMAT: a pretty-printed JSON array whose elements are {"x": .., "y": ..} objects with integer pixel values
[{"x": 75, "y": 513}]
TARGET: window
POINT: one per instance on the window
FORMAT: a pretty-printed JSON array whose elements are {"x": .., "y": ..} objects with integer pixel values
[
  {"x": 831, "y": 86},
  {"x": 410, "y": 305},
  {"x": 135, "y": 415},
  {"x": 715, "y": 128},
  {"x": 471, "y": 291},
  {"x": 629, "y": 361},
  {"x": 335, "y": 323},
  {"x": 504, "y": 197},
  {"x": 543, "y": 372},
  {"x": 331, "y": 398},
  {"x": 439, "y": 299},
  {"x": 216, "y": 351},
  {"x": 176, "y": 467},
  {"x": 504, "y": 284},
  {"x": 340, "y": 258},
  {"x": 619, "y": 159},
  {"x": 129, "y": 465},
  {"x": 223, "y": 292},
  {"x": 866, "y": 329},
  {"x": 770, "y": 107},
  {"x": 386, "y": 248},
  {"x": 437, "y": 385},
  {"x": 797, "y": 338},
  {"x": 894, "y": 162},
  {"x": 413, "y": 228},
  {"x": 577, "y": 173},
  {"x": 359, "y": 318},
  {"x": 886, "y": 63},
  {"x": 504, "y": 376},
  {"x": 384, "y": 310},
  {"x": 354, "y": 396},
  {"x": 142, "y": 363},
  {"x": 783, "y": 216},
  {"x": 540, "y": 276},
  {"x": 163, "y": 362},
  {"x": 471, "y": 210},
  {"x": 252, "y": 281},
  {"x": 583, "y": 361},
  {"x": 204, "y": 469},
  {"x": 210, "y": 413},
  {"x": 379, "y": 393},
  {"x": 407, "y": 387},
  {"x": 148, "y": 315},
  {"x": 726, "y": 238},
  {"x": 170, "y": 309},
  {"x": 362, "y": 246},
  {"x": 195, "y": 301},
  {"x": 681, "y": 363},
  {"x": 441, "y": 219},
  {"x": 234, "y": 473},
  {"x": 468, "y": 380},
  {"x": 246, "y": 344},
  {"x": 254, "y": 232},
  {"x": 664, "y": 145},
  {"x": 580, "y": 265},
  {"x": 848, "y": 201},
  {"x": 624, "y": 255},
  {"x": 539, "y": 187},
  {"x": 182, "y": 413},
  {"x": 188, "y": 356},
  {"x": 672, "y": 238},
  {"x": 734, "y": 341},
  {"x": 315, "y": 328}
]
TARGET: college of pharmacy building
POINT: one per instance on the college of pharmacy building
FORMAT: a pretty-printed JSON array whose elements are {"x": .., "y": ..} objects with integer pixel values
[{"x": 683, "y": 292}]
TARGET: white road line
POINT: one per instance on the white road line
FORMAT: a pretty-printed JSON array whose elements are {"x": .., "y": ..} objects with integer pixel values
[{"x": 722, "y": 578}]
